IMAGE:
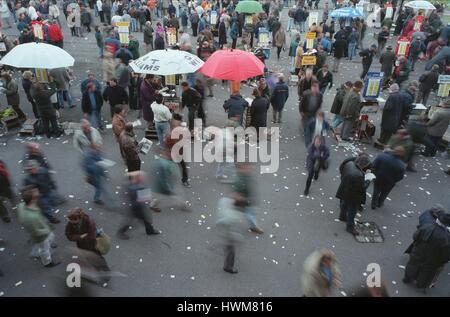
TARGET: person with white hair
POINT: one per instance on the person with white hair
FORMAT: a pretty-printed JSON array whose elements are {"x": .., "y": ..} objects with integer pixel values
[
  {"x": 85, "y": 136},
  {"x": 32, "y": 11}
]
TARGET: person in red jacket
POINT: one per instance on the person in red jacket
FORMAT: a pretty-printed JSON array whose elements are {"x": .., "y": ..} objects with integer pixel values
[{"x": 55, "y": 34}]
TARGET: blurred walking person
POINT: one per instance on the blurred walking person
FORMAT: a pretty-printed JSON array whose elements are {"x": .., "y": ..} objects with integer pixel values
[
  {"x": 317, "y": 159},
  {"x": 320, "y": 273},
  {"x": 140, "y": 201},
  {"x": 232, "y": 225},
  {"x": 30, "y": 217}
]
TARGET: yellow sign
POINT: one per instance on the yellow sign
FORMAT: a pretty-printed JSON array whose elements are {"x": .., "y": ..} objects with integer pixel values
[
  {"x": 373, "y": 85},
  {"x": 444, "y": 90},
  {"x": 308, "y": 60},
  {"x": 248, "y": 19},
  {"x": 402, "y": 46},
  {"x": 171, "y": 80},
  {"x": 41, "y": 75},
  {"x": 124, "y": 38},
  {"x": 37, "y": 31},
  {"x": 171, "y": 36},
  {"x": 310, "y": 35},
  {"x": 263, "y": 38},
  {"x": 124, "y": 31}
]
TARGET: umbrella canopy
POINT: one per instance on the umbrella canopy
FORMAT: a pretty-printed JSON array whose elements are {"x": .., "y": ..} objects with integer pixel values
[
  {"x": 347, "y": 12},
  {"x": 234, "y": 65},
  {"x": 167, "y": 62},
  {"x": 249, "y": 6},
  {"x": 37, "y": 55},
  {"x": 417, "y": 5}
]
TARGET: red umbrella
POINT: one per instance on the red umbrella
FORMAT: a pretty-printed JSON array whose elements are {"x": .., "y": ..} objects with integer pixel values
[{"x": 235, "y": 65}]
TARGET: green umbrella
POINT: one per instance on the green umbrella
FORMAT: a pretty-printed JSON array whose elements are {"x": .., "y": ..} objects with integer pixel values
[{"x": 249, "y": 7}]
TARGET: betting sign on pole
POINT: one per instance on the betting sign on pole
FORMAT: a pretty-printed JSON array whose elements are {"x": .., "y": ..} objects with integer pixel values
[
  {"x": 171, "y": 34},
  {"x": 38, "y": 30},
  {"x": 418, "y": 23},
  {"x": 372, "y": 85},
  {"x": 403, "y": 44},
  {"x": 313, "y": 18},
  {"x": 213, "y": 18},
  {"x": 41, "y": 75},
  {"x": 309, "y": 60},
  {"x": 263, "y": 37},
  {"x": 124, "y": 32},
  {"x": 444, "y": 86},
  {"x": 310, "y": 36}
]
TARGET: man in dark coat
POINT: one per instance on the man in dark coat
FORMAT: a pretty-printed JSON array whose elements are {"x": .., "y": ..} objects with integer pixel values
[
  {"x": 222, "y": 33},
  {"x": 389, "y": 169},
  {"x": 91, "y": 105},
  {"x": 258, "y": 111},
  {"x": 191, "y": 99},
  {"x": 387, "y": 61},
  {"x": 408, "y": 96},
  {"x": 339, "y": 48},
  {"x": 41, "y": 93},
  {"x": 115, "y": 94},
  {"x": 392, "y": 110},
  {"x": 309, "y": 105},
  {"x": 235, "y": 107},
  {"x": 367, "y": 58},
  {"x": 317, "y": 159},
  {"x": 428, "y": 82},
  {"x": 352, "y": 189},
  {"x": 279, "y": 96},
  {"x": 430, "y": 252}
]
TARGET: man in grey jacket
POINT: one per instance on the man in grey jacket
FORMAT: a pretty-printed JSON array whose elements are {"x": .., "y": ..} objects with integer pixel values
[
  {"x": 85, "y": 136},
  {"x": 62, "y": 80},
  {"x": 436, "y": 128}
]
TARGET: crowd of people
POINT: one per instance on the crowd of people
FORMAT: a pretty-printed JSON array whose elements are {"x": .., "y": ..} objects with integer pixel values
[{"x": 125, "y": 91}]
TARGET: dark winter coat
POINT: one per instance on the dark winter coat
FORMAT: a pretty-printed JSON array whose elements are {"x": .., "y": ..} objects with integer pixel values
[
  {"x": 324, "y": 80},
  {"x": 235, "y": 106},
  {"x": 222, "y": 34},
  {"x": 147, "y": 97},
  {"x": 5, "y": 183},
  {"x": 41, "y": 180},
  {"x": 392, "y": 111},
  {"x": 352, "y": 188},
  {"x": 407, "y": 106},
  {"x": 86, "y": 105},
  {"x": 388, "y": 169},
  {"x": 351, "y": 105},
  {"x": 431, "y": 250},
  {"x": 115, "y": 95},
  {"x": 86, "y": 225},
  {"x": 306, "y": 105},
  {"x": 159, "y": 43},
  {"x": 12, "y": 92},
  {"x": 338, "y": 100},
  {"x": 279, "y": 96},
  {"x": 322, "y": 153},
  {"x": 428, "y": 81},
  {"x": 312, "y": 127},
  {"x": 387, "y": 61},
  {"x": 129, "y": 146},
  {"x": 339, "y": 47},
  {"x": 43, "y": 102},
  {"x": 258, "y": 112}
]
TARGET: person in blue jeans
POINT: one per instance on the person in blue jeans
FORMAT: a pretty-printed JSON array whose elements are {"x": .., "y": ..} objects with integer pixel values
[
  {"x": 162, "y": 117},
  {"x": 95, "y": 173},
  {"x": 352, "y": 41}
]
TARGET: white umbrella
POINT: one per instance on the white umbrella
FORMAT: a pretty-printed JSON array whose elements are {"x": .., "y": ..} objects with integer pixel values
[
  {"x": 37, "y": 55},
  {"x": 417, "y": 5},
  {"x": 167, "y": 62}
]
